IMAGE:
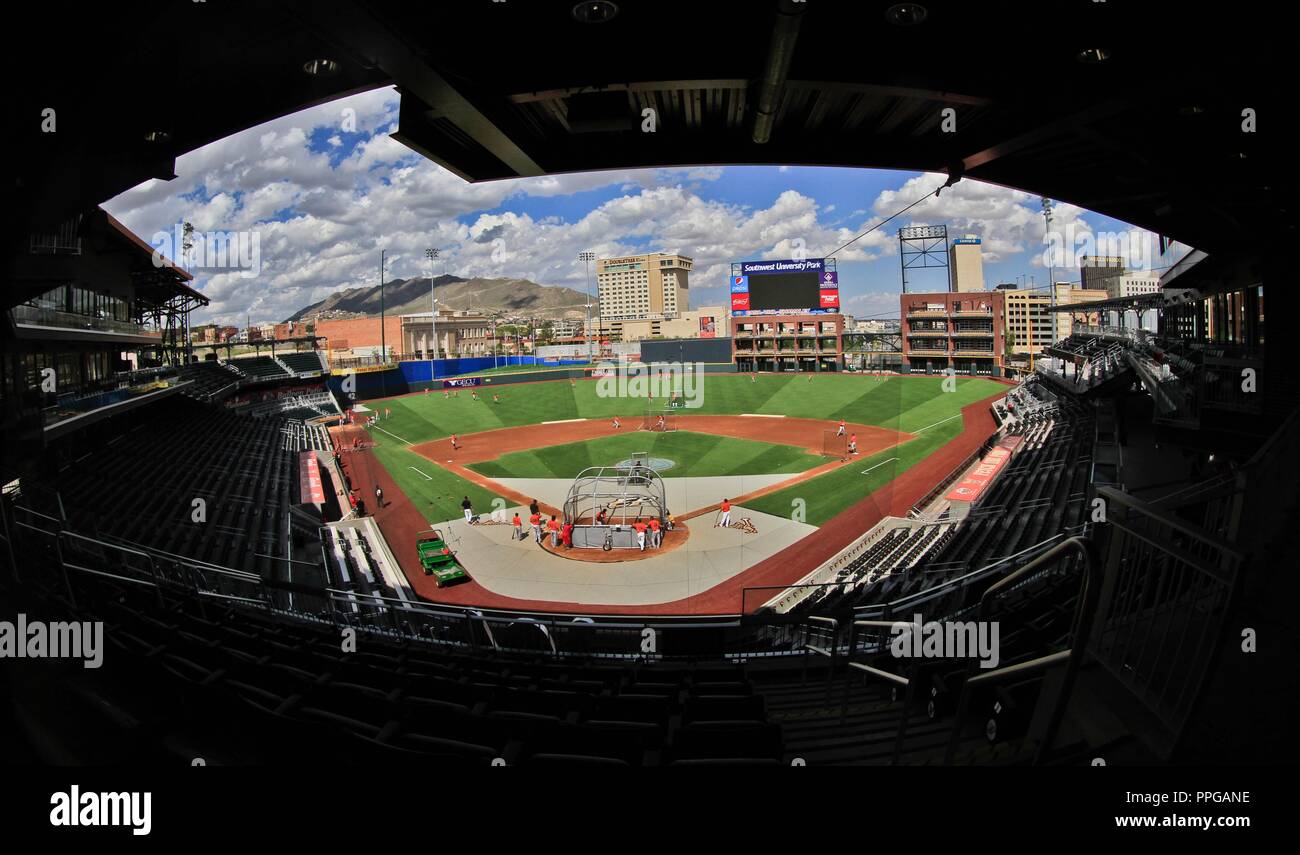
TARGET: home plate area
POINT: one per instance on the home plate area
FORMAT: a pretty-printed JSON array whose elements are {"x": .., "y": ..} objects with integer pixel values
[{"x": 524, "y": 570}]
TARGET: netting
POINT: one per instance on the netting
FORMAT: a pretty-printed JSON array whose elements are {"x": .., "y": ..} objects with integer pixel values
[
  {"x": 658, "y": 419},
  {"x": 835, "y": 444}
]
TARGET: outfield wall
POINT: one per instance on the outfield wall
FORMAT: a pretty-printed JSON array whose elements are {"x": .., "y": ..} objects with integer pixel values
[
  {"x": 707, "y": 350},
  {"x": 417, "y": 371},
  {"x": 415, "y": 376}
]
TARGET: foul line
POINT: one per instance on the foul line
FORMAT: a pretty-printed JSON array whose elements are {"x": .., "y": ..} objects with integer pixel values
[
  {"x": 762, "y": 416},
  {"x": 426, "y": 477},
  {"x": 393, "y": 435},
  {"x": 878, "y": 465},
  {"x": 936, "y": 424},
  {"x": 563, "y": 421}
]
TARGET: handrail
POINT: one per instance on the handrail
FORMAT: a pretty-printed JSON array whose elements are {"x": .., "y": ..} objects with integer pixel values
[
  {"x": 1029, "y": 666},
  {"x": 885, "y": 675},
  {"x": 1174, "y": 522},
  {"x": 1080, "y": 629},
  {"x": 960, "y": 580}
]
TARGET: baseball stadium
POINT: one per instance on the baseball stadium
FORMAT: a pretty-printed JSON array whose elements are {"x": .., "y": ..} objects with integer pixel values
[
  {"x": 769, "y": 444},
  {"x": 683, "y": 550}
]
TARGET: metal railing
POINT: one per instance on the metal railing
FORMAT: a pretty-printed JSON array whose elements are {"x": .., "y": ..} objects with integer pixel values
[
  {"x": 37, "y": 316},
  {"x": 1168, "y": 588},
  {"x": 1070, "y": 657}
]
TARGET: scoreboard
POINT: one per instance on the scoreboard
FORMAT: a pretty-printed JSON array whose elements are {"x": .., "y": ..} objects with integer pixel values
[{"x": 787, "y": 286}]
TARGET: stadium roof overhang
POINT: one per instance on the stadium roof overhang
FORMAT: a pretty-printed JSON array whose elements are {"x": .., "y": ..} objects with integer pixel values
[
  {"x": 1137, "y": 302},
  {"x": 1152, "y": 135}
]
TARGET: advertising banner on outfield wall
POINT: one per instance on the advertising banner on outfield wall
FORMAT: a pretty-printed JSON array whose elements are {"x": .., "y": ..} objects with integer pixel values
[{"x": 462, "y": 382}]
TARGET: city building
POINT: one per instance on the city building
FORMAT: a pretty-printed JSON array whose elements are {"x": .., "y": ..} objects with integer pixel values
[
  {"x": 966, "y": 262},
  {"x": 1135, "y": 285},
  {"x": 788, "y": 342},
  {"x": 1029, "y": 326},
  {"x": 204, "y": 334},
  {"x": 705, "y": 322},
  {"x": 459, "y": 333},
  {"x": 292, "y": 329},
  {"x": 1067, "y": 294},
  {"x": 945, "y": 331},
  {"x": 1099, "y": 272},
  {"x": 637, "y": 287},
  {"x": 353, "y": 337}
]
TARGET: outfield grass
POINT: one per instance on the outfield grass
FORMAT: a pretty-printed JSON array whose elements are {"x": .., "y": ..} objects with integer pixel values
[
  {"x": 696, "y": 455},
  {"x": 900, "y": 403},
  {"x": 826, "y": 495},
  {"x": 907, "y": 404}
]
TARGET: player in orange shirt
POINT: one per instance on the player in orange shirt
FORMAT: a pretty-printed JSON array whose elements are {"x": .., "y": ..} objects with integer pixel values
[
  {"x": 640, "y": 528},
  {"x": 725, "y": 519}
]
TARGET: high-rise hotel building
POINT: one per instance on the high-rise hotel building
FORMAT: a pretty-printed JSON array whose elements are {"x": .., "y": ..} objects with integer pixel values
[{"x": 640, "y": 287}]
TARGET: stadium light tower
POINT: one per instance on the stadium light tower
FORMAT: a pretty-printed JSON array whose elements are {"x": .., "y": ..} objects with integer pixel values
[
  {"x": 431, "y": 254},
  {"x": 588, "y": 258},
  {"x": 383, "y": 343},
  {"x": 1047, "y": 222}
]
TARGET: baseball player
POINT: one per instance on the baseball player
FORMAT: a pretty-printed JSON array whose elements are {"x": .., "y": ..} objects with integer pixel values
[
  {"x": 536, "y": 522},
  {"x": 725, "y": 519},
  {"x": 554, "y": 528},
  {"x": 840, "y": 432},
  {"x": 518, "y": 526},
  {"x": 656, "y": 536},
  {"x": 468, "y": 508},
  {"x": 617, "y": 423},
  {"x": 455, "y": 446},
  {"x": 379, "y": 496},
  {"x": 640, "y": 533},
  {"x": 853, "y": 444},
  {"x": 660, "y": 424}
]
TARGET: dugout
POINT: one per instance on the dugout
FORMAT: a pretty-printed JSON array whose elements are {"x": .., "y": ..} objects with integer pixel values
[{"x": 623, "y": 493}]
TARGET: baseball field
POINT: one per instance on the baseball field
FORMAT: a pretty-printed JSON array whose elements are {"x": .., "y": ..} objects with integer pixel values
[{"x": 769, "y": 424}]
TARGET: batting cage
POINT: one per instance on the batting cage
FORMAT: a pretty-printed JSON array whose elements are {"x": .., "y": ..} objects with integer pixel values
[
  {"x": 835, "y": 444},
  {"x": 605, "y": 501}
]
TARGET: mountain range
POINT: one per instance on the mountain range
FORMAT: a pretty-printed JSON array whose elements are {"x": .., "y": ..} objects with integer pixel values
[{"x": 407, "y": 296}]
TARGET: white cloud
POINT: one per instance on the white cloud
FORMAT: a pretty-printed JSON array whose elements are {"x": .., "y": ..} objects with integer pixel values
[{"x": 348, "y": 199}]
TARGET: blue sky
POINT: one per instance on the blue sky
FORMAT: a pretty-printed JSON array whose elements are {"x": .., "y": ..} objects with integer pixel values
[{"x": 324, "y": 190}]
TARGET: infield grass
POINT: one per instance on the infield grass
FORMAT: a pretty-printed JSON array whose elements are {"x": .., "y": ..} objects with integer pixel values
[{"x": 693, "y": 454}]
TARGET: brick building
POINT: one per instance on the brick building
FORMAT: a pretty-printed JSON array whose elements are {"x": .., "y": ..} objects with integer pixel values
[
  {"x": 359, "y": 336},
  {"x": 964, "y": 331}
]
